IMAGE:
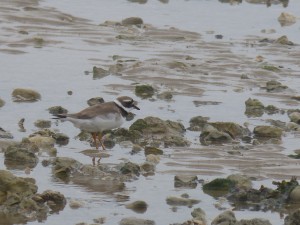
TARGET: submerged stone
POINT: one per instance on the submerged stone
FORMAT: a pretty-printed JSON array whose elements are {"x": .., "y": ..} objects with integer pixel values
[
  {"x": 219, "y": 184},
  {"x": 99, "y": 73},
  {"x": 185, "y": 181},
  {"x": 179, "y": 201},
  {"x": 136, "y": 221},
  {"x": 144, "y": 91}
]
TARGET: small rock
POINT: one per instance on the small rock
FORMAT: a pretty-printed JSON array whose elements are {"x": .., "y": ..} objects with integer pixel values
[
  {"x": 283, "y": 40},
  {"x": 199, "y": 214},
  {"x": 254, "y": 108},
  {"x": 136, "y": 221},
  {"x": 144, "y": 91},
  {"x": 148, "y": 168},
  {"x": 99, "y": 73},
  {"x": 54, "y": 110},
  {"x": 178, "y": 201},
  {"x": 55, "y": 200},
  {"x": 42, "y": 123},
  {"x": 100, "y": 220},
  {"x": 138, "y": 206},
  {"x": 233, "y": 129},
  {"x": 211, "y": 135},
  {"x": 185, "y": 181},
  {"x": 271, "y": 68},
  {"x": 42, "y": 142},
  {"x": 286, "y": 19},
  {"x": 225, "y": 218},
  {"x": 61, "y": 139},
  {"x": 259, "y": 58},
  {"x": 95, "y": 101},
  {"x": 152, "y": 150},
  {"x": 267, "y": 132},
  {"x": 197, "y": 123},
  {"x": 25, "y": 95},
  {"x": 255, "y": 221},
  {"x": 166, "y": 95},
  {"x": 5, "y": 134},
  {"x": 177, "y": 65},
  {"x": 274, "y": 85},
  {"x": 74, "y": 204},
  {"x": 218, "y": 187},
  {"x": 153, "y": 158},
  {"x": 132, "y": 21},
  {"x": 295, "y": 117},
  {"x": 130, "y": 168}
]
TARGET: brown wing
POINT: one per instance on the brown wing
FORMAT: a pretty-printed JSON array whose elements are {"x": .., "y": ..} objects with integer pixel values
[{"x": 95, "y": 110}]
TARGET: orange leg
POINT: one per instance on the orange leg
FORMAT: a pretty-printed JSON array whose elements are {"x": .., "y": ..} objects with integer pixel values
[
  {"x": 100, "y": 140},
  {"x": 94, "y": 135}
]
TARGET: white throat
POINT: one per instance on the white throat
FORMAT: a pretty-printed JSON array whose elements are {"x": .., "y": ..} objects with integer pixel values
[{"x": 120, "y": 105}]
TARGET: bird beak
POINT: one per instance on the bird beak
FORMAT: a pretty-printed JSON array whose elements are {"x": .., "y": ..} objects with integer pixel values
[{"x": 134, "y": 106}]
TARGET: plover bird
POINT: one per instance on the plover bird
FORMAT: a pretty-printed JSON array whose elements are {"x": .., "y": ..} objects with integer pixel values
[{"x": 100, "y": 117}]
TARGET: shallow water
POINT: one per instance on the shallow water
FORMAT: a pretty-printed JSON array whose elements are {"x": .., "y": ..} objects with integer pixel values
[{"x": 59, "y": 66}]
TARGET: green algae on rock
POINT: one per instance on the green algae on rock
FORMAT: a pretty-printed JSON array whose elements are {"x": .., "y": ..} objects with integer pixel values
[
  {"x": 144, "y": 91},
  {"x": 219, "y": 186}
]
